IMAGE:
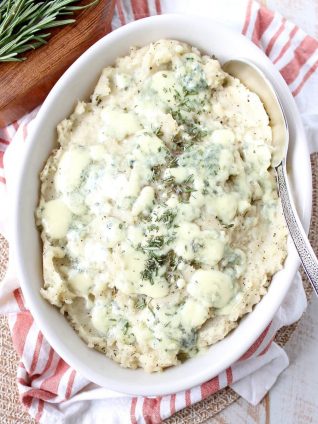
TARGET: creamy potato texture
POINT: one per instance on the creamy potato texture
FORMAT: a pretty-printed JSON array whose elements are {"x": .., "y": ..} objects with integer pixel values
[{"x": 160, "y": 219}]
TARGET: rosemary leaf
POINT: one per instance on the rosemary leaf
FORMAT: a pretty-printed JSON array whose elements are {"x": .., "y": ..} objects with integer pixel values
[{"x": 23, "y": 24}]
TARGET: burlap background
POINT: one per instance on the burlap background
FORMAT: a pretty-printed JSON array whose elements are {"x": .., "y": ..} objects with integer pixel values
[{"x": 10, "y": 408}]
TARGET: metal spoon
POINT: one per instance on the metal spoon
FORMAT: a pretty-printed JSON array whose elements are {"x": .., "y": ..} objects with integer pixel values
[{"x": 251, "y": 76}]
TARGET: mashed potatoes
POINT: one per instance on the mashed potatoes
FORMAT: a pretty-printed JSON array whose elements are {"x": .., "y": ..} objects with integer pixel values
[{"x": 160, "y": 220}]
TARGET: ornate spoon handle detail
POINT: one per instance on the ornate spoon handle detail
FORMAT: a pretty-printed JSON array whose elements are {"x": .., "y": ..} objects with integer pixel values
[{"x": 304, "y": 249}]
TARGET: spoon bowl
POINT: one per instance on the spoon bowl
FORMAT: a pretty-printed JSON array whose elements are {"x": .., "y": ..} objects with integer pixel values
[{"x": 254, "y": 79}]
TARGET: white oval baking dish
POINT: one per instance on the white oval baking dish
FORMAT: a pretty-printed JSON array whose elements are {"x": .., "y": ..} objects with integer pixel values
[{"x": 77, "y": 83}]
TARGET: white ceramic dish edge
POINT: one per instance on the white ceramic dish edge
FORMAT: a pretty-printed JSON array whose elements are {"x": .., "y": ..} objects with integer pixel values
[{"x": 59, "y": 103}]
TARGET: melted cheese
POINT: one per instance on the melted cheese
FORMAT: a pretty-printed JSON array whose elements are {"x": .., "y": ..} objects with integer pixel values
[
  {"x": 211, "y": 287},
  {"x": 80, "y": 283},
  {"x": 155, "y": 291},
  {"x": 100, "y": 319},
  {"x": 56, "y": 218},
  {"x": 225, "y": 207},
  {"x": 70, "y": 169},
  {"x": 112, "y": 231},
  {"x": 193, "y": 314},
  {"x": 164, "y": 82},
  {"x": 128, "y": 124},
  {"x": 144, "y": 201}
]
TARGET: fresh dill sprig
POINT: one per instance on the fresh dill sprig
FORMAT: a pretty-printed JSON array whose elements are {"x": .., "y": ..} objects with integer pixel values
[{"x": 23, "y": 24}]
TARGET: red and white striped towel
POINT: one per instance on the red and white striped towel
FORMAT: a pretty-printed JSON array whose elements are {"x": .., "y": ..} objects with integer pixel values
[{"x": 53, "y": 392}]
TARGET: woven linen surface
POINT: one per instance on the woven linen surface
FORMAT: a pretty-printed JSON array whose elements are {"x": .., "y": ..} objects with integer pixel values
[
  {"x": 11, "y": 411},
  {"x": 296, "y": 56}
]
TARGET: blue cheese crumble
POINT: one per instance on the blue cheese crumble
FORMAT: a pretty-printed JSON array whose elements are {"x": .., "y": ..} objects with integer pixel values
[{"x": 159, "y": 213}]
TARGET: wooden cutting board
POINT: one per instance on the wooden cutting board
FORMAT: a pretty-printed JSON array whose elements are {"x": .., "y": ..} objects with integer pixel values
[{"x": 24, "y": 85}]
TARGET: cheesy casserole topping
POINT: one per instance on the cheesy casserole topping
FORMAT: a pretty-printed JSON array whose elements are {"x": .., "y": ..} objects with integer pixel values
[{"x": 160, "y": 220}]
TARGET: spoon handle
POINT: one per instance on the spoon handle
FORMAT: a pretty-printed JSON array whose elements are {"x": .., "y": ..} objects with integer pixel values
[{"x": 304, "y": 249}]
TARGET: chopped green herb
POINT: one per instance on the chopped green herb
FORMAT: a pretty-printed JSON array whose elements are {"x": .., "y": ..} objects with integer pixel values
[
  {"x": 183, "y": 190},
  {"x": 141, "y": 303},
  {"x": 126, "y": 327},
  {"x": 152, "y": 267},
  {"x": 150, "y": 309},
  {"x": 168, "y": 217}
]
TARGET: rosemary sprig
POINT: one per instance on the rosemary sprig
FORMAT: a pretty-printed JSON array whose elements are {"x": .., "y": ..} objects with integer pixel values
[
  {"x": 153, "y": 264},
  {"x": 23, "y": 24},
  {"x": 182, "y": 190},
  {"x": 168, "y": 217},
  {"x": 154, "y": 257}
]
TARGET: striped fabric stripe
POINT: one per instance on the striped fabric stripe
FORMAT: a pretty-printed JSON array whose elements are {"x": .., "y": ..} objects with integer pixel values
[
  {"x": 274, "y": 38},
  {"x": 307, "y": 75},
  {"x": 173, "y": 404},
  {"x": 256, "y": 345},
  {"x": 45, "y": 379},
  {"x": 247, "y": 17},
  {"x": 263, "y": 20},
  {"x": 296, "y": 58},
  {"x": 300, "y": 56},
  {"x": 2, "y": 178}
]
